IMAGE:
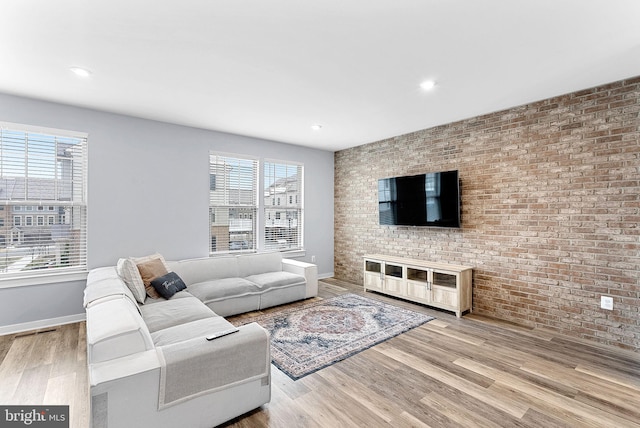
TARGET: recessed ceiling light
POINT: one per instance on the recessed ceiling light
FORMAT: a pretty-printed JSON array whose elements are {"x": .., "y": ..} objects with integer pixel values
[
  {"x": 316, "y": 127},
  {"x": 427, "y": 85},
  {"x": 79, "y": 71}
]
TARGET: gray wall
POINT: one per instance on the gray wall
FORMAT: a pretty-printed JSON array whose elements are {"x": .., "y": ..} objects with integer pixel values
[{"x": 148, "y": 192}]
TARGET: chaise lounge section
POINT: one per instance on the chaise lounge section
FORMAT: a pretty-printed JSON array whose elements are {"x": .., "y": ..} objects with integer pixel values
[{"x": 150, "y": 364}]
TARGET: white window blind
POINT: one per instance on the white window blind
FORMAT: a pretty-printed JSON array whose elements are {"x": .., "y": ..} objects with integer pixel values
[
  {"x": 42, "y": 170},
  {"x": 233, "y": 203},
  {"x": 283, "y": 205}
]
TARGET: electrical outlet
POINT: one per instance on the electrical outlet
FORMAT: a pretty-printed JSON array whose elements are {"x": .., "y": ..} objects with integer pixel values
[
  {"x": 606, "y": 302},
  {"x": 313, "y": 259}
]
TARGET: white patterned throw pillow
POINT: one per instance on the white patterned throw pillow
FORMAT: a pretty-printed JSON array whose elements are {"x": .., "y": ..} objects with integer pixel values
[{"x": 128, "y": 271}]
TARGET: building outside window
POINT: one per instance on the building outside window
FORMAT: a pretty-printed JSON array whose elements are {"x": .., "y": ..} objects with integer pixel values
[
  {"x": 233, "y": 203},
  {"x": 283, "y": 181},
  {"x": 42, "y": 165}
]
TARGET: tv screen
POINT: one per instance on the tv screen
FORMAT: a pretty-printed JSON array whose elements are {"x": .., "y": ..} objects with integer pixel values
[{"x": 431, "y": 199}]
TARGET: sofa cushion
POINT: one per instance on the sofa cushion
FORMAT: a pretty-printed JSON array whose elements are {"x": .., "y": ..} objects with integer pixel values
[
  {"x": 168, "y": 285},
  {"x": 174, "y": 312},
  {"x": 182, "y": 332},
  {"x": 276, "y": 280},
  {"x": 198, "y": 270},
  {"x": 184, "y": 294},
  {"x": 208, "y": 291},
  {"x": 253, "y": 264}
]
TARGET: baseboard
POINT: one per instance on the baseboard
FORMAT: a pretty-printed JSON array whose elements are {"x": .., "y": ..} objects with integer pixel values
[
  {"x": 325, "y": 275},
  {"x": 34, "y": 325}
]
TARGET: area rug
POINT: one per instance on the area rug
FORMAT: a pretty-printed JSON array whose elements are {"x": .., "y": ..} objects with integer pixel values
[{"x": 307, "y": 338}]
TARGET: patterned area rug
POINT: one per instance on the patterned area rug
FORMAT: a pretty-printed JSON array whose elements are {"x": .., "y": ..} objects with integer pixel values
[{"x": 309, "y": 337}]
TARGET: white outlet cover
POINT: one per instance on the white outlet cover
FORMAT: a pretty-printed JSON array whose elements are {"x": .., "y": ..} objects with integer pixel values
[{"x": 606, "y": 302}]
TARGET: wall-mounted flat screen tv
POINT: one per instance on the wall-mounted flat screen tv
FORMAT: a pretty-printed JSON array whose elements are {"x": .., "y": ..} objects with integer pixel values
[{"x": 431, "y": 199}]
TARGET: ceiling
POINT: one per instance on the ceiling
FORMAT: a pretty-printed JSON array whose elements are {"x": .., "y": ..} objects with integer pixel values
[{"x": 272, "y": 68}]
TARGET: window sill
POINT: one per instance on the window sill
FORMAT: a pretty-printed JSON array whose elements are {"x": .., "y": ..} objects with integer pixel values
[
  {"x": 43, "y": 278},
  {"x": 287, "y": 254},
  {"x": 294, "y": 254}
]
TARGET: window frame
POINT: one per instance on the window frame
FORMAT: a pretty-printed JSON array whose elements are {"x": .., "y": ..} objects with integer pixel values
[
  {"x": 46, "y": 150},
  {"x": 243, "y": 214},
  {"x": 293, "y": 212},
  {"x": 265, "y": 209}
]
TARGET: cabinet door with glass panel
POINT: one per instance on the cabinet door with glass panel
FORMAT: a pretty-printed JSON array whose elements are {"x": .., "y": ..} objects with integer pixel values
[
  {"x": 433, "y": 287},
  {"x": 373, "y": 275},
  {"x": 384, "y": 277},
  {"x": 394, "y": 279}
]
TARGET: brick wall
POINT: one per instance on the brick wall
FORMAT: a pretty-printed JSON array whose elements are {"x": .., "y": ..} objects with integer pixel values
[{"x": 550, "y": 210}]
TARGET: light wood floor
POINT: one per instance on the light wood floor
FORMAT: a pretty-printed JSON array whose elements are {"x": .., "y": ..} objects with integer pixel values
[
  {"x": 450, "y": 372},
  {"x": 47, "y": 367}
]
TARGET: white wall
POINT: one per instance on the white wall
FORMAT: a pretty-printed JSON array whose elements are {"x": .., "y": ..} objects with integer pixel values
[{"x": 148, "y": 191}]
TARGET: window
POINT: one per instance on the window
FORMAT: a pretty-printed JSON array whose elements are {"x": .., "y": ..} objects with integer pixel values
[
  {"x": 283, "y": 182},
  {"x": 43, "y": 167},
  {"x": 233, "y": 203}
]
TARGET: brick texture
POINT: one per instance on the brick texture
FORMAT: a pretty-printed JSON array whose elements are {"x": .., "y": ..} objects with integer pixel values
[{"x": 550, "y": 210}]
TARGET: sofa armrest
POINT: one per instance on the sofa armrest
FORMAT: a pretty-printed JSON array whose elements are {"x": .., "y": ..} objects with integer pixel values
[
  {"x": 308, "y": 270},
  {"x": 197, "y": 366}
]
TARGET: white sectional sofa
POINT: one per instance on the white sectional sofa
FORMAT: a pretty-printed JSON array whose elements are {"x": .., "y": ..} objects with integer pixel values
[{"x": 150, "y": 364}]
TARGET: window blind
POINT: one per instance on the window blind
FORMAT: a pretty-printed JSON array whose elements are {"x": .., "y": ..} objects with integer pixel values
[
  {"x": 283, "y": 205},
  {"x": 43, "y": 211},
  {"x": 233, "y": 203}
]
